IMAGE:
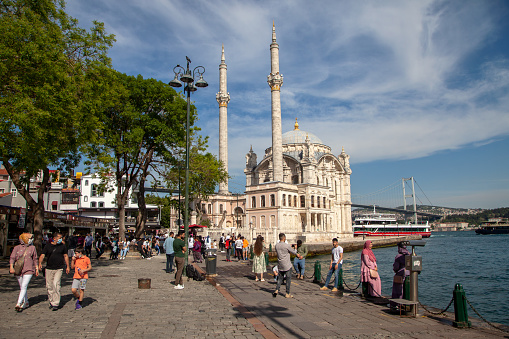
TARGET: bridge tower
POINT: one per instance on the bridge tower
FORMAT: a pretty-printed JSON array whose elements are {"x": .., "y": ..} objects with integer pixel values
[{"x": 405, "y": 196}]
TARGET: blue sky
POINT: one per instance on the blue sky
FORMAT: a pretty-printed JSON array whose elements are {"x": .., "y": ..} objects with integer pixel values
[{"x": 408, "y": 88}]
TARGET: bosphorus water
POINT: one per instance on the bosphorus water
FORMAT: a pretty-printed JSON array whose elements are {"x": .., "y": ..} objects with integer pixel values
[{"x": 479, "y": 263}]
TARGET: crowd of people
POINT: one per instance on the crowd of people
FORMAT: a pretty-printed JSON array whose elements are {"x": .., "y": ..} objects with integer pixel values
[{"x": 73, "y": 252}]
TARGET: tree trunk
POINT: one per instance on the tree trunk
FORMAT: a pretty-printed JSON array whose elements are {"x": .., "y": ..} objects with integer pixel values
[
  {"x": 37, "y": 207},
  {"x": 121, "y": 217},
  {"x": 141, "y": 218}
]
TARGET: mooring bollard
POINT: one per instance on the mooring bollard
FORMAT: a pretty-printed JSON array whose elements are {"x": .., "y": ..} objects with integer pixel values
[
  {"x": 270, "y": 248},
  {"x": 406, "y": 288},
  {"x": 460, "y": 308},
  {"x": 318, "y": 272},
  {"x": 340, "y": 280},
  {"x": 251, "y": 251},
  {"x": 266, "y": 259},
  {"x": 144, "y": 283},
  {"x": 364, "y": 290}
]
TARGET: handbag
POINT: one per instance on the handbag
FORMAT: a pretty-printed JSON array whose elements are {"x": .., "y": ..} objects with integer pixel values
[
  {"x": 398, "y": 279},
  {"x": 18, "y": 264},
  {"x": 373, "y": 274}
]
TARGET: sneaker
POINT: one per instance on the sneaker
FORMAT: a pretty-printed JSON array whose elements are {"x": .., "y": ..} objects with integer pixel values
[
  {"x": 288, "y": 295},
  {"x": 262, "y": 279},
  {"x": 78, "y": 305},
  {"x": 18, "y": 308},
  {"x": 54, "y": 308},
  {"x": 334, "y": 289},
  {"x": 274, "y": 294},
  {"x": 179, "y": 287},
  {"x": 324, "y": 288},
  {"x": 25, "y": 305}
]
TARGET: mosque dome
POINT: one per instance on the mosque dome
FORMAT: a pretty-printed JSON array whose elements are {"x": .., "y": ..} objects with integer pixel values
[{"x": 299, "y": 137}]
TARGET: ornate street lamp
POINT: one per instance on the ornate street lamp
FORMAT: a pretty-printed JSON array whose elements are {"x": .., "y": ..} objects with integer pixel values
[{"x": 188, "y": 77}]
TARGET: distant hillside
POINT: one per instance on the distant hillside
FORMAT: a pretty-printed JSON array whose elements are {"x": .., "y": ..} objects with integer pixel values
[
  {"x": 450, "y": 214},
  {"x": 476, "y": 219}
]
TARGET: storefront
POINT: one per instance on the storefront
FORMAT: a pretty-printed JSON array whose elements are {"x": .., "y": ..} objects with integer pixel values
[{"x": 12, "y": 224}]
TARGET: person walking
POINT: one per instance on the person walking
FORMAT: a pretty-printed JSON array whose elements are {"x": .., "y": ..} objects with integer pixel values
[
  {"x": 99, "y": 247},
  {"x": 89, "y": 240},
  {"x": 300, "y": 264},
  {"x": 190, "y": 243},
  {"x": 26, "y": 252},
  {"x": 238, "y": 248},
  {"x": 369, "y": 271},
  {"x": 336, "y": 263},
  {"x": 81, "y": 265},
  {"x": 259, "y": 266},
  {"x": 179, "y": 246},
  {"x": 222, "y": 243},
  {"x": 170, "y": 253},
  {"x": 197, "y": 250},
  {"x": 72, "y": 244},
  {"x": 114, "y": 249},
  {"x": 245, "y": 250},
  {"x": 227, "y": 245},
  {"x": 284, "y": 263},
  {"x": 57, "y": 259}
]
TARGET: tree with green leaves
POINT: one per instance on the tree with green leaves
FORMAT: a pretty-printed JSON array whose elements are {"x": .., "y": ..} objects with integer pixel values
[
  {"x": 206, "y": 171},
  {"x": 50, "y": 75},
  {"x": 143, "y": 122}
]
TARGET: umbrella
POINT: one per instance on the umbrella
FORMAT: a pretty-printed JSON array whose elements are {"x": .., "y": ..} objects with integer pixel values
[{"x": 194, "y": 226}]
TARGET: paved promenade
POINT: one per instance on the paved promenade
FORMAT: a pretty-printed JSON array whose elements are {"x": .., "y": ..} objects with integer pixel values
[
  {"x": 315, "y": 314},
  {"x": 238, "y": 307}
]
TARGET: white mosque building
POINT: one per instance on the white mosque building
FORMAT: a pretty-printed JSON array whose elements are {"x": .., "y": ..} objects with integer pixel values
[{"x": 299, "y": 187}]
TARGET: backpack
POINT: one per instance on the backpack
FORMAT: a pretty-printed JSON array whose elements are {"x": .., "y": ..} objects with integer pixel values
[
  {"x": 198, "y": 276},
  {"x": 192, "y": 273}
]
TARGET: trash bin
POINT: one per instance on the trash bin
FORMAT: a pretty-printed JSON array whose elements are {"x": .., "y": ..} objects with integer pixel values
[{"x": 211, "y": 261}]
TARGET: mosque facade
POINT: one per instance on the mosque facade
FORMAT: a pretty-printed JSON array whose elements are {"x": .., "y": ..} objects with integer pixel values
[{"x": 299, "y": 187}]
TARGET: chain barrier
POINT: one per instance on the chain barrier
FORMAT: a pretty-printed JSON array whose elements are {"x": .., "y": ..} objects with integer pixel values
[
  {"x": 437, "y": 313},
  {"x": 486, "y": 321},
  {"x": 352, "y": 289}
]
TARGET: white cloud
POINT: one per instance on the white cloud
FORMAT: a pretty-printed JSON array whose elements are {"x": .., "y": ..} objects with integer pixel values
[{"x": 387, "y": 80}]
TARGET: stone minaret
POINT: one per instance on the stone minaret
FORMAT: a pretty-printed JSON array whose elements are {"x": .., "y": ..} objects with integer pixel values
[
  {"x": 223, "y": 98},
  {"x": 275, "y": 81}
]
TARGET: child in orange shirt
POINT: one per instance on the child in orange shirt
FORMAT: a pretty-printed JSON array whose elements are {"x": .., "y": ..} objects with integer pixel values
[{"x": 81, "y": 264}]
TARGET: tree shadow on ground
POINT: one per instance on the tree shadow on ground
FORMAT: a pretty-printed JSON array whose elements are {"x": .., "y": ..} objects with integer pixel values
[{"x": 272, "y": 312}]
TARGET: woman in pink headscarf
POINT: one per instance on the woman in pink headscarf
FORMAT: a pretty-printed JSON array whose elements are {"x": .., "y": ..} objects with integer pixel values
[{"x": 369, "y": 271}]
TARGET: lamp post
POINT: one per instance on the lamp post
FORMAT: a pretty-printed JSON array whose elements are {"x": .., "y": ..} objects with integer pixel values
[{"x": 188, "y": 76}]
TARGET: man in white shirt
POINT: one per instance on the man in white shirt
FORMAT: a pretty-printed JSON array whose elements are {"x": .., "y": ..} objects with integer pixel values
[
  {"x": 238, "y": 248},
  {"x": 190, "y": 243},
  {"x": 336, "y": 263}
]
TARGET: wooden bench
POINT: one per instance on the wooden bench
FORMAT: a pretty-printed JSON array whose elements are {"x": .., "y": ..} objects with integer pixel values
[{"x": 401, "y": 302}]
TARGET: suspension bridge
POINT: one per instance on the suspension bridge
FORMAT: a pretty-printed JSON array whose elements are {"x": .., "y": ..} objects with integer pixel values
[{"x": 399, "y": 197}]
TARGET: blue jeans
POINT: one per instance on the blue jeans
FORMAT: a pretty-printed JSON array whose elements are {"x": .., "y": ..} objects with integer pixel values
[
  {"x": 336, "y": 275},
  {"x": 169, "y": 262},
  {"x": 299, "y": 262},
  {"x": 280, "y": 277}
]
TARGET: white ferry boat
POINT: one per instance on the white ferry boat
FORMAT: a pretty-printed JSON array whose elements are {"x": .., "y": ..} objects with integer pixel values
[{"x": 385, "y": 224}]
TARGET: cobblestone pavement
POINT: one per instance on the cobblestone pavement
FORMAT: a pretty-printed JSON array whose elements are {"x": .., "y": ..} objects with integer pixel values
[
  {"x": 114, "y": 307},
  {"x": 320, "y": 314},
  {"x": 231, "y": 305}
]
